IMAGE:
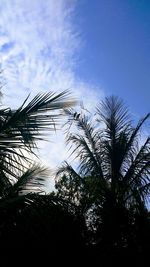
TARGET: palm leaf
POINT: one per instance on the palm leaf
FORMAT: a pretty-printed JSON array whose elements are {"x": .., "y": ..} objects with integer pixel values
[
  {"x": 21, "y": 129},
  {"x": 32, "y": 180}
]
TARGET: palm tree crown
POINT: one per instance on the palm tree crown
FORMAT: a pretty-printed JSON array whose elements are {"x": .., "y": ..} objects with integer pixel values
[{"x": 112, "y": 161}]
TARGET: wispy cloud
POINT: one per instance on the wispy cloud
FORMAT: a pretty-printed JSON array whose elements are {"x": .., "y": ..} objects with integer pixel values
[
  {"x": 38, "y": 44},
  {"x": 39, "y": 47}
]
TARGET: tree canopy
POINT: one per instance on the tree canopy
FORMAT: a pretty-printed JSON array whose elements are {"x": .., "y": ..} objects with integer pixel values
[{"x": 111, "y": 184}]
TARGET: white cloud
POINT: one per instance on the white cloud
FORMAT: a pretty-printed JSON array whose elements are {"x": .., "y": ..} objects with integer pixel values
[{"x": 39, "y": 47}]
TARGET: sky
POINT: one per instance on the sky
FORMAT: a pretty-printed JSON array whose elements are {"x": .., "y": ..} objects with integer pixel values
[
  {"x": 117, "y": 54},
  {"x": 94, "y": 48}
]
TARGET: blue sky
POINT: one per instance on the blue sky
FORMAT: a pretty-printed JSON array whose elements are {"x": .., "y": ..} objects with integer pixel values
[
  {"x": 116, "y": 55},
  {"x": 93, "y": 47}
]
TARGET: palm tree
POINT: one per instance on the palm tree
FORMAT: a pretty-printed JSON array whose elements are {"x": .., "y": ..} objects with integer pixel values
[
  {"x": 20, "y": 176},
  {"x": 20, "y": 130},
  {"x": 112, "y": 181}
]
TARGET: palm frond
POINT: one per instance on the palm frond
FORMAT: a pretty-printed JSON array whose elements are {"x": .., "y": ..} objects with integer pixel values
[
  {"x": 21, "y": 129},
  {"x": 87, "y": 143},
  {"x": 32, "y": 180},
  {"x": 115, "y": 116},
  {"x": 30, "y": 122},
  {"x": 132, "y": 143}
]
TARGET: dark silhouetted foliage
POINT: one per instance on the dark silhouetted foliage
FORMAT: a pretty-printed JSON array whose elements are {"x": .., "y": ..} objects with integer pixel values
[{"x": 111, "y": 185}]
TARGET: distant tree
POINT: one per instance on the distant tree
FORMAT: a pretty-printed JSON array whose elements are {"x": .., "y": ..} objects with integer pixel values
[{"x": 111, "y": 185}]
